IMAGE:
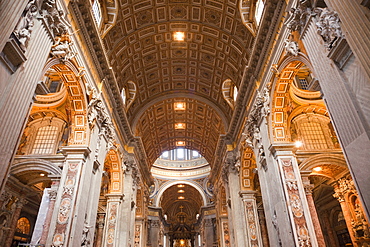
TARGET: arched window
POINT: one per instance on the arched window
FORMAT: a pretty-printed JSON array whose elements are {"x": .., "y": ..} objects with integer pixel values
[
  {"x": 260, "y": 5},
  {"x": 44, "y": 135},
  {"x": 229, "y": 92},
  {"x": 97, "y": 12},
  {"x": 313, "y": 131}
]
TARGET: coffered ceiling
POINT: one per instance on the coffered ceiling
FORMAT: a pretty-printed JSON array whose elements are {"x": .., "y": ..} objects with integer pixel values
[{"x": 141, "y": 48}]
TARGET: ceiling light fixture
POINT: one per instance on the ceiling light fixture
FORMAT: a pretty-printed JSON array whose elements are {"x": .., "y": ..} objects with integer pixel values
[
  {"x": 317, "y": 169},
  {"x": 181, "y": 198},
  {"x": 179, "y": 36},
  {"x": 180, "y": 143},
  {"x": 181, "y": 185},
  {"x": 179, "y": 106},
  {"x": 181, "y": 191},
  {"x": 298, "y": 144},
  {"x": 42, "y": 174},
  {"x": 179, "y": 126}
]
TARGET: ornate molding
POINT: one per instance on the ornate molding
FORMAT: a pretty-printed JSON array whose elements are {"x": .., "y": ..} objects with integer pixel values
[
  {"x": 62, "y": 48},
  {"x": 342, "y": 188}
]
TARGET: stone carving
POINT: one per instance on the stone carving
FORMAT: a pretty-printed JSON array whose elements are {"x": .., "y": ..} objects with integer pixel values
[
  {"x": 25, "y": 25},
  {"x": 232, "y": 164},
  {"x": 65, "y": 208},
  {"x": 58, "y": 240},
  {"x": 298, "y": 15},
  {"x": 55, "y": 18},
  {"x": 303, "y": 237},
  {"x": 62, "y": 48},
  {"x": 359, "y": 223},
  {"x": 97, "y": 113},
  {"x": 344, "y": 186},
  {"x": 328, "y": 26},
  {"x": 85, "y": 241},
  {"x": 52, "y": 194},
  {"x": 137, "y": 235},
  {"x": 291, "y": 47}
]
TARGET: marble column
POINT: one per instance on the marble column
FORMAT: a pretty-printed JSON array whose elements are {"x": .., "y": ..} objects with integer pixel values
[
  {"x": 49, "y": 214},
  {"x": 264, "y": 233},
  {"x": 13, "y": 225},
  {"x": 154, "y": 232},
  {"x": 111, "y": 236},
  {"x": 340, "y": 88},
  {"x": 100, "y": 230},
  {"x": 340, "y": 194},
  {"x": 297, "y": 205},
  {"x": 236, "y": 213},
  {"x": 17, "y": 88},
  {"x": 208, "y": 231},
  {"x": 127, "y": 208},
  {"x": 329, "y": 229},
  {"x": 251, "y": 217},
  {"x": 68, "y": 218},
  {"x": 311, "y": 205}
]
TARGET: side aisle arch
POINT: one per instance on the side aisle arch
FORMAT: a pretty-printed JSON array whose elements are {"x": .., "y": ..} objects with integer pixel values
[
  {"x": 112, "y": 167},
  {"x": 291, "y": 97},
  {"x": 70, "y": 76}
]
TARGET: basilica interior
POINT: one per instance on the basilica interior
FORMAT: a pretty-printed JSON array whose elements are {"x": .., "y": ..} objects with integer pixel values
[{"x": 185, "y": 123}]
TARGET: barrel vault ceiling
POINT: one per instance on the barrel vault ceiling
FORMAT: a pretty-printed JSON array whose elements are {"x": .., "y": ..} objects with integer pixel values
[{"x": 142, "y": 49}]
